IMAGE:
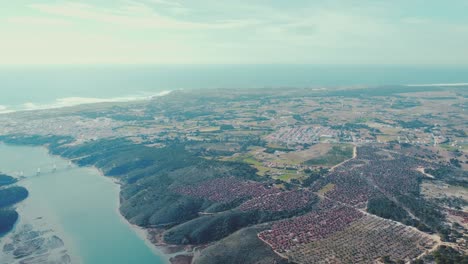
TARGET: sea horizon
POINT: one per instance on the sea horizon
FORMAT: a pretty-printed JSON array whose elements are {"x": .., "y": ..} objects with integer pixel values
[{"x": 37, "y": 87}]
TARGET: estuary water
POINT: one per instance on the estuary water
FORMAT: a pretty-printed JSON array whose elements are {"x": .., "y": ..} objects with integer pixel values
[{"x": 79, "y": 205}]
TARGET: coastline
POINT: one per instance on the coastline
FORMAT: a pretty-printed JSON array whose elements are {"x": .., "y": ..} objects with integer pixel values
[
  {"x": 172, "y": 254},
  {"x": 67, "y": 102}
]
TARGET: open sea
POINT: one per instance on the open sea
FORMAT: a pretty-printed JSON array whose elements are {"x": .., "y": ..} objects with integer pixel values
[{"x": 35, "y": 87}]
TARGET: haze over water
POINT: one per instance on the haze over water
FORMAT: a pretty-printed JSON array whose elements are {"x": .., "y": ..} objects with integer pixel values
[{"x": 28, "y": 88}]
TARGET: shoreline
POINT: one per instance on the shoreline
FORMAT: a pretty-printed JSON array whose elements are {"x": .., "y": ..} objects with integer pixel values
[
  {"x": 69, "y": 102},
  {"x": 34, "y": 219},
  {"x": 172, "y": 254},
  {"x": 165, "y": 251},
  {"x": 141, "y": 232},
  {"x": 33, "y": 216}
]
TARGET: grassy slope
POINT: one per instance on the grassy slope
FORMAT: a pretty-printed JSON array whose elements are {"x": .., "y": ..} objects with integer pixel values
[
  {"x": 241, "y": 247},
  {"x": 335, "y": 156}
]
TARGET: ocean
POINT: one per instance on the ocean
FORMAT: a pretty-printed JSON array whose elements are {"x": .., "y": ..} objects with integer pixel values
[{"x": 34, "y": 87}]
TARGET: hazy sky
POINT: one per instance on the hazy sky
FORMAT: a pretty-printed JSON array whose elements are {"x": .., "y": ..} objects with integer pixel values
[{"x": 237, "y": 31}]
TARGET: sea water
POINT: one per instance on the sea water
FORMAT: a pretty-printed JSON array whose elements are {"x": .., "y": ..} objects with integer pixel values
[
  {"x": 54, "y": 86},
  {"x": 80, "y": 205}
]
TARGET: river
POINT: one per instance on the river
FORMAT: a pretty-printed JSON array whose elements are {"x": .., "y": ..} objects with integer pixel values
[{"x": 76, "y": 204}]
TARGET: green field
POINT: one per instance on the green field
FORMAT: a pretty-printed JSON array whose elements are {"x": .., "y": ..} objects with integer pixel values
[{"x": 336, "y": 155}]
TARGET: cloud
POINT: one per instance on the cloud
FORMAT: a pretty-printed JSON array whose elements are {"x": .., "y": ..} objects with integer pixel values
[
  {"x": 166, "y": 2},
  {"x": 131, "y": 14},
  {"x": 37, "y": 21},
  {"x": 242, "y": 31}
]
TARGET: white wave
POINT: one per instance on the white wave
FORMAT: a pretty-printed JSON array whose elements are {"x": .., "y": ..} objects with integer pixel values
[
  {"x": 5, "y": 109},
  {"x": 437, "y": 84},
  {"x": 74, "y": 101}
]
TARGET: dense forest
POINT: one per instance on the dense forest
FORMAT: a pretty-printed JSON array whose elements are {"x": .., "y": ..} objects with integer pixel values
[
  {"x": 384, "y": 207},
  {"x": 149, "y": 175}
]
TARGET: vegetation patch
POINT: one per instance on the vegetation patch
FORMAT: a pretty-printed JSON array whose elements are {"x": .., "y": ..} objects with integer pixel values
[
  {"x": 241, "y": 247},
  {"x": 289, "y": 176},
  {"x": 8, "y": 218},
  {"x": 326, "y": 188},
  {"x": 6, "y": 180},
  {"x": 12, "y": 195},
  {"x": 388, "y": 209},
  {"x": 336, "y": 155},
  {"x": 444, "y": 255}
]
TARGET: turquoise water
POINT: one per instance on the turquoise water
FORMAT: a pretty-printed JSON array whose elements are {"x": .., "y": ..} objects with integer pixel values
[
  {"x": 20, "y": 86},
  {"x": 80, "y": 202}
]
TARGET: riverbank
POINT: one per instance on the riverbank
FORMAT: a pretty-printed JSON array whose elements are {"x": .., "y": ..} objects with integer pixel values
[
  {"x": 71, "y": 210},
  {"x": 177, "y": 254},
  {"x": 143, "y": 233},
  {"x": 152, "y": 237},
  {"x": 36, "y": 236}
]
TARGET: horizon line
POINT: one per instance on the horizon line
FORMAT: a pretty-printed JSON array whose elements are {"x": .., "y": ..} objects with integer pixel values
[{"x": 224, "y": 64}]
